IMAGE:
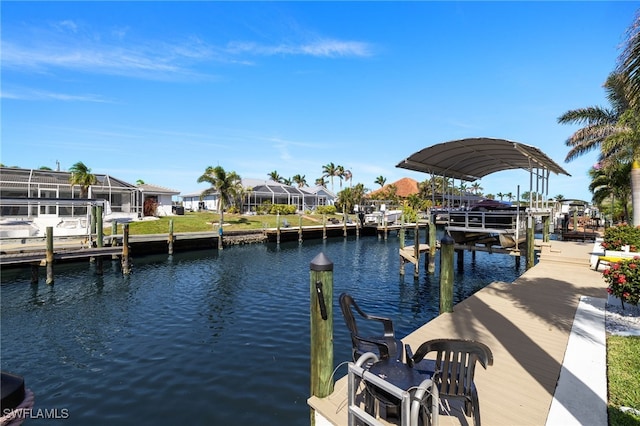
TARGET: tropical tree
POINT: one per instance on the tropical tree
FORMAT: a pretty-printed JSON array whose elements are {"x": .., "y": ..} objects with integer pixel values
[
  {"x": 321, "y": 181},
  {"x": 287, "y": 181},
  {"x": 226, "y": 185},
  {"x": 43, "y": 168},
  {"x": 476, "y": 188},
  {"x": 330, "y": 170},
  {"x": 610, "y": 184},
  {"x": 348, "y": 176},
  {"x": 139, "y": 182},
  {"x": 501, "y": 195},
  {"x": 615, "y": 131},
  {"x": 81, "y": 175},
  {"x": 629, "y": 61},
  {"x": 380, "y": 180},
  {"x": 299, "y": 180},
  {"x": 509, "y": 196},
  {"x": 340, "y": 174},
  {"x": 559, "y": 198},
  {"x": 275, "y": 176},
  {"x": 348, "y": 198}
]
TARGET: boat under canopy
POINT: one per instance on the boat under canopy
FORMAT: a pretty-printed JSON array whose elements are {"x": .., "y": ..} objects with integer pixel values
[{"x": 472, "y": 159}]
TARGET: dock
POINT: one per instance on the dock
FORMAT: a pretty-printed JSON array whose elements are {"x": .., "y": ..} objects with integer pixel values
[{"x": 527, "y": 325}]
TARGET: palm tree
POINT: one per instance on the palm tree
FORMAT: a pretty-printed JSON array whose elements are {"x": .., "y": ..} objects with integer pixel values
[
  {"x": 275, "y": 176},
  {"x": 340, "y": 174},
  {"x": 501, "y": 195},
  {"x": 330, "y": 170},
  {"x": 615, "y": 131},
  {"x": 321, "y": 181},
  {"x": 299, "y": 180},
  {"x": 612, "y": 183},
  {"x": 509, "y": 196},
  {"x": 348, "y": 176},
  {"x": 226, "y": 185},
  {"x": 139, "y": 182},
  {"x": 629, "y": 61},
  {"x": 380, "y": 180},
  {"x": 81, "y": 175},
  {"x": 476, "y": 188}
]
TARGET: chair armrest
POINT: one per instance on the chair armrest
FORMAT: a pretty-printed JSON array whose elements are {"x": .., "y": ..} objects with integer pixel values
[{"x": 386, "y": 323}]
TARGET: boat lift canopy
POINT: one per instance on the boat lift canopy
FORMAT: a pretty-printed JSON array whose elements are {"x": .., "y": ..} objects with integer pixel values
[{"x": 473, "y": 158}]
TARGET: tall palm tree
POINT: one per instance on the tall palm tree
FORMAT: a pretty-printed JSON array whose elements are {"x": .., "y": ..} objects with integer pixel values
[
  {"x": 340, "y": 174},
  {"x": 615, "y": 131},
  {"x": 321, "y": 181},
  {"x": 299, "y": 180},
  {"x": 275, "y": 176},
  {"x": 348, "y": 176},
  {"x": 501, "y": 195},
  {"x": 476, "y": 188},
  {"x": 380, "y": 180},
  {"x": 330, "y": 171},
  {"x": 226, "y": 185},
  {"x": 81, "y": 175},
  {"x": 629, "y": 61},
  {"x": 613, "y": 182}
]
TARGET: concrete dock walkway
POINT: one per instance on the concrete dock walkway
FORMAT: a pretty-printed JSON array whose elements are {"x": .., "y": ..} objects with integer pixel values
[{"x": 527, "y": 324}]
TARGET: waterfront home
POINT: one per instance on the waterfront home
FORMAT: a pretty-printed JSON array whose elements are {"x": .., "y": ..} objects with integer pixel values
[
  {"x": 157, "y": 200},
  {"x": 260, "y": 191}
]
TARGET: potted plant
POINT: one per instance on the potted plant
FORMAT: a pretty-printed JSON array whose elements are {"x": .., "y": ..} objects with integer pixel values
[{"x": 623, "y": 280}]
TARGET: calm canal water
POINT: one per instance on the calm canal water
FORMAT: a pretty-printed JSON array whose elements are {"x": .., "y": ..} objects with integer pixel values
[{"x": 204, "y": 338}]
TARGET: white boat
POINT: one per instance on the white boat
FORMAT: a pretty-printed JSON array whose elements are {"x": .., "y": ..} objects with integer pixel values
[{"x": 381, "y": 217}]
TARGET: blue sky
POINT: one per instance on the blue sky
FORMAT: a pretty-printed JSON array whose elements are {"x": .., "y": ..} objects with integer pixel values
[{"x": 158, "y": 91}]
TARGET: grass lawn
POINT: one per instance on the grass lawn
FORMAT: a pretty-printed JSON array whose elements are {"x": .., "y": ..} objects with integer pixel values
[
  {"x": 207, "y": 221},
  {"x": 623, "y": 375}
]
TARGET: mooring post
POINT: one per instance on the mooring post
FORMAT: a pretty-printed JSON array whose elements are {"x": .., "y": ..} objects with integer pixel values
[
  {"x": 530, "y": 241},
  {"x": 92, "y": 224},
  {"x": 277, "y": 227},
  {"x": 446, "y": 274},
  {"x": 220, "y": 230},
  {"x": 432, "y": 244},
  {"x": 170, "y": 241},
  {"x": 416, "y": 250},
  {"x": 575, "y": 220},
  {"x": 126, "y": 265},
  {"x": 114, "y": 241},
  {"x": 49, "y": 255},
  {"x": 545, "y": 228},
  {"x": 321, "y": 301},
  {"x": 300, "y": 228},
  {"x": 99, "y": 238},
  {"x": 401, "y": 235},
  {"x": 344, "y": 222},
  {"x": 324, "y": 226}
]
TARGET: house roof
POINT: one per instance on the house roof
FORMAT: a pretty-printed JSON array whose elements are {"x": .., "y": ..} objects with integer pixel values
[
  {"x": 473, "y": 158},
  {"x": 156, "y": 189},
  {"x": 405, "y": 187},
  {"x": 16, "y": 177}
]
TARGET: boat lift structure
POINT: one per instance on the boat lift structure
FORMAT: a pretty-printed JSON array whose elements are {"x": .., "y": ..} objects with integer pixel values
[{"x": 473, "y": 158}]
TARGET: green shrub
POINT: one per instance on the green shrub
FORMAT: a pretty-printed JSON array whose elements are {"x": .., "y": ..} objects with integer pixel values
[
  {"x": 617, "y": 236},
  {"x": 326, "y": 210},
  {"x": 623, "y": 280}
]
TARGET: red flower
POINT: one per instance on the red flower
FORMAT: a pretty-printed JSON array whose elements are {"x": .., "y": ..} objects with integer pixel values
[
  {"x": 633, "y": 266},
  {"x": 622, "y": 279},
  {"x": 616, "y": 266},
  {"x": 606, "y": 272}
]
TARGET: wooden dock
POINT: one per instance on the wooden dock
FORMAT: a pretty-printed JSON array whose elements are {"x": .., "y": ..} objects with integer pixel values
[{"x": 526, "y": 324}]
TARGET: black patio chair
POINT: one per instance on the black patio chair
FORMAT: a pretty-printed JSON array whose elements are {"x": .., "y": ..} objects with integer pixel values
[
  {"x": 385, "y": 345},
  {"x": 455, "y": 365}
]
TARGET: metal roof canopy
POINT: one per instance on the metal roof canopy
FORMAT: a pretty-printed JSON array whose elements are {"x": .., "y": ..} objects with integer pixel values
[{"x": 473, "y": 158}]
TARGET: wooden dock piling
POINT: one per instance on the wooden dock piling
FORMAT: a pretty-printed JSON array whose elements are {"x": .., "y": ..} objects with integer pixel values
[
  {"x": 170, "y": 239},
  {"x": 321, "y": 301},
  {"x": 126, "y": 264},
  {"x": 49, "y": 255},
  {"x": 446, "y": 274},
  {"x": 99, "y": 239}
]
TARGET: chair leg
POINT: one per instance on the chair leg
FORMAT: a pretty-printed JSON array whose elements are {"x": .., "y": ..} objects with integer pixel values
[{"x": 475, "y": 405}]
